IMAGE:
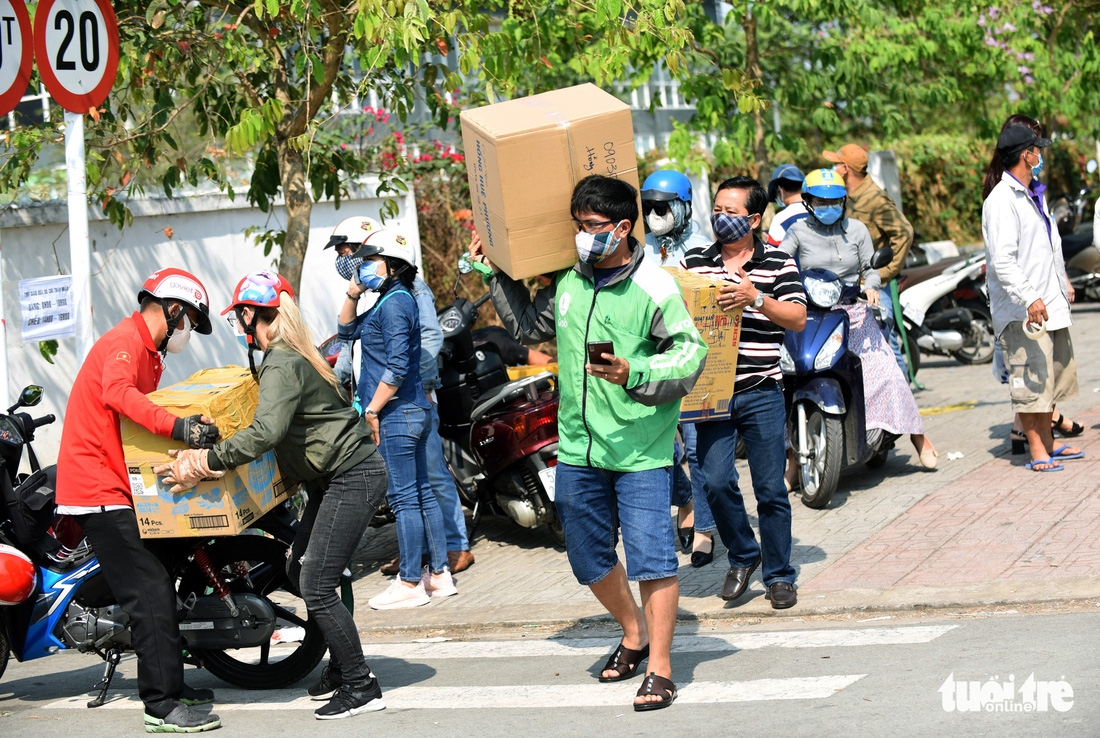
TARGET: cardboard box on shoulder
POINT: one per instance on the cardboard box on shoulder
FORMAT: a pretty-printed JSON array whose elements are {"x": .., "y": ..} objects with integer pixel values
[
  {"x": 215, "y": 507},
  {"x": 523, "y": 158},
  {"x": 710, "y": 399}
]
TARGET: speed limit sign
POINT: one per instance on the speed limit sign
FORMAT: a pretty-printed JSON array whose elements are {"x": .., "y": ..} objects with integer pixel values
[
  {"x": 76, "y": 44},
  {"x": 16, "y": 53}
]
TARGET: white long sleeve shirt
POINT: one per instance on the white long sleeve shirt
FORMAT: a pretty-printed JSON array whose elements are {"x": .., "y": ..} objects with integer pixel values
[{"x": 1023, "y": 255}]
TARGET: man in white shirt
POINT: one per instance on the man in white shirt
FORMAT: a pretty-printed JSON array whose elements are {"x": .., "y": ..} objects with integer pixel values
[
  {"x": 1028, "y": 287},
  {"x": 785, "y": 189}
]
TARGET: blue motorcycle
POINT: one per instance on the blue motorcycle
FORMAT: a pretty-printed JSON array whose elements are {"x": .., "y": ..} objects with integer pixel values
[
  {"x": 823, "y": 384},
  {"x": 235, "y": 599}
]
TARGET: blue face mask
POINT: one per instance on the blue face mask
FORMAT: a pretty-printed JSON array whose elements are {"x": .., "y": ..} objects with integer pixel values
[
  {"x": 243, "y": 341},
  {"x": 730, "y": 228},
  {"x": 829, "y": 215},
  {"x": 369, "y": 276},
  {"x": 1038, "y": 167}
]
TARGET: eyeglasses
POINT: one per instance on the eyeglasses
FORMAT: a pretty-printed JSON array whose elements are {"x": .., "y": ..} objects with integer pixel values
[
  {"x": 660, "y": 208},
  {"x": 591, "y": 226},
  {"x": 232, "y": 320}
]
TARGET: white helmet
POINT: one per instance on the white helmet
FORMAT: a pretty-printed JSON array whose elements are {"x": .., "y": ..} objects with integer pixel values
[
  {"x": 387, "y": 243},
  {"x": 353, "y": 231},
  {"x": 181, "y": 286}
]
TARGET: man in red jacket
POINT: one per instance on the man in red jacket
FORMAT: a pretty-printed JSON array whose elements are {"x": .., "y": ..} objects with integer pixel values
[{"x": 93, "y": 484}]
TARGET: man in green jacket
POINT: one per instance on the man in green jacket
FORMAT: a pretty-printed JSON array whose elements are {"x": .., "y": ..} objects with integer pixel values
[{"x": 617, "y": 418}]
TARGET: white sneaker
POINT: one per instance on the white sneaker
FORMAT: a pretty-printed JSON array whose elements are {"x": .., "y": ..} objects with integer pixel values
[
  {"x": 397, "y": 596},
  {"x": 438, "y": 585}
]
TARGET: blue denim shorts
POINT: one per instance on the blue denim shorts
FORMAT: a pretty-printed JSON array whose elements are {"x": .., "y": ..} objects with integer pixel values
[{"x": 593, "y": 504}]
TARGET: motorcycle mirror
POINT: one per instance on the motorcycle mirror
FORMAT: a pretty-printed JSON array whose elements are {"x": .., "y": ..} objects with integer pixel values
[
  {"x": 1091, "y": 166},
  {"x": 29, "y": 397},
  {"x": 882, "y": 257},
  {"x": 465, "y": 265}
]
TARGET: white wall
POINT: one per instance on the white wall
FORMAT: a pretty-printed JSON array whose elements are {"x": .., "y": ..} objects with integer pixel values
[{"x": 207, "y": 240}]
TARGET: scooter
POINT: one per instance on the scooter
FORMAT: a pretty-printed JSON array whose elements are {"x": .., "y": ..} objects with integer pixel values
[
  {"x": 823, "y": 384},
  {"x": 500, "y": 437},
  {"x": 946, "y": 311},
  {"x": 233, "y": 593},
  {"x": 1079, "y": 251}
]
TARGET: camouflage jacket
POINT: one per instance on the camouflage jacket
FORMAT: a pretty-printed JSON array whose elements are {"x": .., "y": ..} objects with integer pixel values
[{"x": 869, "y": 204}]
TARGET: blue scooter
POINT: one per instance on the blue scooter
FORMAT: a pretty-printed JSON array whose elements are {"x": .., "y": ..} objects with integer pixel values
[{"x": 823, "y": 384}]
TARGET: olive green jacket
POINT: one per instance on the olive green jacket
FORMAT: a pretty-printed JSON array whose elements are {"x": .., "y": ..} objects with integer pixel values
[{"x": 869, "y": 204}]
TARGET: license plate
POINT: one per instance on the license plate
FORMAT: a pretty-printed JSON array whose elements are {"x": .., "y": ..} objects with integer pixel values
[{"x": 547, "y": 476}]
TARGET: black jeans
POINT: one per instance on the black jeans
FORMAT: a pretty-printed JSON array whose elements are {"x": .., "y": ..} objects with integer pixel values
[
  {"x": 334, "y": 522},
  {"x": 141, "y": 584}
]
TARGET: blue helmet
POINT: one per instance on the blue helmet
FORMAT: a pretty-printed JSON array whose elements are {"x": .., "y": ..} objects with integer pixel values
[{"x": 665, "y": 185}]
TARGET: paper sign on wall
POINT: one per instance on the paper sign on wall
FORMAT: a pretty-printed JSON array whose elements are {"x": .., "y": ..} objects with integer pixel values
[{"x": 46, "y": 304}]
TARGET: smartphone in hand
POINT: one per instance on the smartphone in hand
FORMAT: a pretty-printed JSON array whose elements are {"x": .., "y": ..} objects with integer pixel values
[{"x": 596, "y": 349}]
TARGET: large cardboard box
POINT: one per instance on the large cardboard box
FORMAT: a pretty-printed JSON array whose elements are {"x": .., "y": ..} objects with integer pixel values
[
  {"x": 523, "y": 158},
  {"x": 710, "y": 399},
  {"x": 216, "y": 507}
]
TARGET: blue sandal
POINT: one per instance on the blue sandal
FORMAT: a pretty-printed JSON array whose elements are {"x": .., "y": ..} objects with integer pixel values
[
  {"x": 1062, "y": 457},
  {"x": 1031, "y": 466}
]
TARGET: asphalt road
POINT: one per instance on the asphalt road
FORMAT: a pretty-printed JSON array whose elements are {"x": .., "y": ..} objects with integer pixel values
[{"x": 881, "y": 675}]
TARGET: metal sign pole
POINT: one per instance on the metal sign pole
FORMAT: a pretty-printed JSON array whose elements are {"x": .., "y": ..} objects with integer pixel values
[
  {"x": 79, "y": 248},
  {"x": 4, "y": 396}
]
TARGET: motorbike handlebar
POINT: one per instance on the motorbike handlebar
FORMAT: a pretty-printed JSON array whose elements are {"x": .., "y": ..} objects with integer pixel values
[
  {"x": 44, "y": 420},
  {"x": 481, "y": 300}
]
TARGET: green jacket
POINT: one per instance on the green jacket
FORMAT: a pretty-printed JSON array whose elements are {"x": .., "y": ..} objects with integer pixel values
[
  {"x": 642, "y": 311},
  {"x": 315, "y": 431}
]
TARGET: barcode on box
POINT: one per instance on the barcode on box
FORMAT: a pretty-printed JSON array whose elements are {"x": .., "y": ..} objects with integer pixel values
[
  {"x": 205, "y": 522},
  {"x": 137, "y": 483}
]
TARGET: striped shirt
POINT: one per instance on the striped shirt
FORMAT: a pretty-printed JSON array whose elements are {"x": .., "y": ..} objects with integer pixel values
[
  {"x": 784, "y": 220},
  {"x": 772, "y": 272}
]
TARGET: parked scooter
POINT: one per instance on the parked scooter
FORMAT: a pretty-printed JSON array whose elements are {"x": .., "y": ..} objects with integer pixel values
[
  {"x": 823, "y": 383},
  {"x": 233, "y": 592},
  {"x": 1071, "y": 214},
  {"x": 500, "y": 437},
  {"x": 946, "y": 311}
]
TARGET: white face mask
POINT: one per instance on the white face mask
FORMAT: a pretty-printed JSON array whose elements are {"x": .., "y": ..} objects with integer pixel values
[
  {"x": 659, "y": 225},
  {"x": 180, "y": 336}
]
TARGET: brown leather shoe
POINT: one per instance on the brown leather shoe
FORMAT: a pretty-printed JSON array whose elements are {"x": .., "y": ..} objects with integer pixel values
[
  {"x": 737, "y": 580},
  {"x": 782, "y": 595},
  {"x": 394, "y": 567},
  {"x": 459, "y": 560}
]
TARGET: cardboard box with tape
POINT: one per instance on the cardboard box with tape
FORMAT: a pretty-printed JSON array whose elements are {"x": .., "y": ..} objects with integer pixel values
[
  {"x": 215, "y": 507},
  {"x": 523, "y": 158},
  {"x": 710, "y": 399}
]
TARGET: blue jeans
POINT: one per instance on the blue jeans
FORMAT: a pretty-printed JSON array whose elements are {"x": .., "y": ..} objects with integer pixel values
[
  {"x": 893, "y": 337},
  {"x": 446, "y": 494},
  {"x": 343, "y": 363},
  {"x": 405, "y": 430},
  {"x": 759, "y": 416},
  {"x": 685, "y": 488},
  {"x": 593, "y": 504}
]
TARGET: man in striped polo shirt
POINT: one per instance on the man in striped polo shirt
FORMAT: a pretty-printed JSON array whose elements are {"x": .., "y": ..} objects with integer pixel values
[{"x": 764, "y": 282}]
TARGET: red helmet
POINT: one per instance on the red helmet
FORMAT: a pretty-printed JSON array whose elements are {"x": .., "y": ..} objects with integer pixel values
[
  {"x": 181, "y": 286},
  {"x": 17, "y": 576},
  {"x": 260, "y": 289}
]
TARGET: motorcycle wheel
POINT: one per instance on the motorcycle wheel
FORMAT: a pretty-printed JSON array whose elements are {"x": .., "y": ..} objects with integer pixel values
[
  {"x": 556, "y": 532},
  {"x": 914, "y": 355},
  {"x": 5, "y": 650},
  {"x": 826, "y": 441},
  {"x": 254, "y": 668},
  {"x": 979, "y": 347}
]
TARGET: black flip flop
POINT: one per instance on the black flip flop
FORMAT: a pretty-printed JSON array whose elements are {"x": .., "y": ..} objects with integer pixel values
[
  {"x": 658, "y": 685},
  {"x": 622, "y": 658}
]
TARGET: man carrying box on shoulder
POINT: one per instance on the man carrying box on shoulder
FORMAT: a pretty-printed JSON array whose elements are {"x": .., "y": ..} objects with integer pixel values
[
  {"x": 93, "y": 484},
  {"x": 628, "y": 352}
]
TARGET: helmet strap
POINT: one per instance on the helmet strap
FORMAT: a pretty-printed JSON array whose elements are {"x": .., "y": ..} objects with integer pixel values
[
  {"x": 170, "y": 325},
  {"x": 250, "y": 339}
]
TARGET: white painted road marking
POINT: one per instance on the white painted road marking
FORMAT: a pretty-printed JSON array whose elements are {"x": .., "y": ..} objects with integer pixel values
[{"x": 528, "y": 696}]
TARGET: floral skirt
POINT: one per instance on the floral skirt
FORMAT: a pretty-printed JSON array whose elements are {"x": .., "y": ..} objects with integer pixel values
[{"x": 890, "y": 404}]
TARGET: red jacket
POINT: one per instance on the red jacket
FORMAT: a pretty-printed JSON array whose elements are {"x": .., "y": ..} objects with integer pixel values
[{"x": 122, "y": 367}]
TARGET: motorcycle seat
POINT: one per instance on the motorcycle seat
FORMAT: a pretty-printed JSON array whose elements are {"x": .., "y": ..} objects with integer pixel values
[
  {"x": 915, "y": 275},
  {"x": 507, "y": 392}
]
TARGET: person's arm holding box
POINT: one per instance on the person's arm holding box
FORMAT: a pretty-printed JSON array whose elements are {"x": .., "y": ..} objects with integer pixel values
[
  {"x": 671, "y": 372},
  {"x": 531, "y": 321}
]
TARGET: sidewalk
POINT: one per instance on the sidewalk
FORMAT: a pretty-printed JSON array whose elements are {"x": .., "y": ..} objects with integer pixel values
[{"x": 979, "y": 531}]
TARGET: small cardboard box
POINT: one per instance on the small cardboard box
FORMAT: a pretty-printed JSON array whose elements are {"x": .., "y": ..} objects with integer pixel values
[
  {"x": 216, "y": 507},
  {"x": 710, "y": 399},
  {"x": 523, "y": 158}
]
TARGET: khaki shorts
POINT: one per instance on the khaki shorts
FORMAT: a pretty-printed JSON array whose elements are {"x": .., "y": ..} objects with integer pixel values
[{"x": 1041, "y": 373}]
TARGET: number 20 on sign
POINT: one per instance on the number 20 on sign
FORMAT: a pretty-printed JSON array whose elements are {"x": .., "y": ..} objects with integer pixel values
[{"x": 76, "y": 45}]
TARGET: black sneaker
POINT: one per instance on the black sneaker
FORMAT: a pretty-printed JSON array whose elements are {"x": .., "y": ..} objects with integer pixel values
[
  {"x": 329, "y": 682},
  {"x": 191, "y": 696},
  {"x": 347, "y": 702},
  {"x": 183, "y": 719}
]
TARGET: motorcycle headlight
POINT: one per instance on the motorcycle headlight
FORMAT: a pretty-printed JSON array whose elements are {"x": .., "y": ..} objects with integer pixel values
[
  {"x": 821, "y": 293},
  {"x": 828, "y": 352},
  {"x": 786, "y": 363}
]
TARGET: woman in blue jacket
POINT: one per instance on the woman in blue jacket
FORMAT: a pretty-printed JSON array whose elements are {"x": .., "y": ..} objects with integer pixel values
[{"x": 398, "y": 413}]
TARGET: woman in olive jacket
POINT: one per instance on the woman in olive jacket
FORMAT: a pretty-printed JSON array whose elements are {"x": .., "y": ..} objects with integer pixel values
[{"x": 320, "y": 440}]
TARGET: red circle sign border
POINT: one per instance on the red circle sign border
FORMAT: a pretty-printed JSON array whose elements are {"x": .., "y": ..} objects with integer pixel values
[
  {"x": 73, "y": 102},
  {"x": 10, "y": 98}
]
